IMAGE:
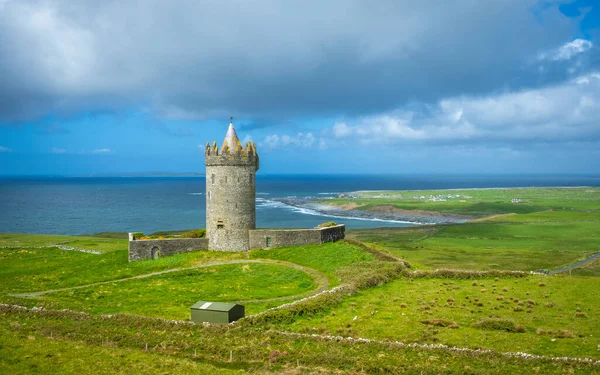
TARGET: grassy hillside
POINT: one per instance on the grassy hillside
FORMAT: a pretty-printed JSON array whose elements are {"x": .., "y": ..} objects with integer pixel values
[
  {"x": 544, "y": 240},
  {"x": 376, "y": 317}
]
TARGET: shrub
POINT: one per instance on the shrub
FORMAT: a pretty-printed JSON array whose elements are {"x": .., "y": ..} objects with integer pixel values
[
  {"x": 196, "y": 233},
  {"x": 138, "y": 235},
  {"x": 498, "y": 324},
  {"x": 440, "y": 323},
  {"x": 562, "y": 334},
  {"x": 327, "y": 224},
  {"x": 464, "y": 274}
]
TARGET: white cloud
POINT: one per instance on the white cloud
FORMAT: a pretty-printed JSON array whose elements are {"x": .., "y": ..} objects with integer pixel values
[
  {"x": 56, "y": 150},
  {"x": 102, "y": 151},
  {"x": 301, "y": 140},
  {"x": 340, "y": 130},
  {"x": 271, "y": 141},
  {"x": 568, "y": 50},
  {"x": 560, "y": 113},
  {"x": 5, "y": 149}
]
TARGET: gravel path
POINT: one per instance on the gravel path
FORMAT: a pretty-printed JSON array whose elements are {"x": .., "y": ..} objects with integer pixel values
[
  {"x": 576, "y": 265},
  {"x": 318, "y": 277}
]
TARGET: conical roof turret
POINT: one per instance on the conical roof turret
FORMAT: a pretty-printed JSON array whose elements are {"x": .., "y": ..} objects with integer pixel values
[{"x": 231, "y": 139}]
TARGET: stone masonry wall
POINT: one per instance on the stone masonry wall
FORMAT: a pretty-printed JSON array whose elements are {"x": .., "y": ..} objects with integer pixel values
[
  {"x": 332, "y": 234},
  {"x": 294, "y": 237},
  {"x": 152, "y": 249},
  {"x": 230, "y": 206}
]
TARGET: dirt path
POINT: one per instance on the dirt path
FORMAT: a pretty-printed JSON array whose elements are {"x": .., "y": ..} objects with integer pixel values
[{"x": 319, "y": 278}]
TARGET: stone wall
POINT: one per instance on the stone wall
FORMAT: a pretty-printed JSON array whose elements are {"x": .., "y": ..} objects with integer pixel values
[
  {"x": 152, "y": 249},
  {"x": 230, "y": 206},
  {"x": 332, "y": 234},
  {"x": 294, "y": 237}
]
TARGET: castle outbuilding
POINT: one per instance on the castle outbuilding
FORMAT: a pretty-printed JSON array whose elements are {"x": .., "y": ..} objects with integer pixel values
[{"x": 230, "y": 192}]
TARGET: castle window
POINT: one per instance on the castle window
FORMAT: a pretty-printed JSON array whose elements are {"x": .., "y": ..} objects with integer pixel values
[
  {"x": 268, "y": 241},
  {"x": 212, "y": 179},
  {"x": 208, "y": 195},
  {"x": 225, "y": 179},
  {"x": 220, "y": 224}
]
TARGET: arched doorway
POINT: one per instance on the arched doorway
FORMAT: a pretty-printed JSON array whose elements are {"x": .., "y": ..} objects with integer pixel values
[{"x": 155, "y": 252}]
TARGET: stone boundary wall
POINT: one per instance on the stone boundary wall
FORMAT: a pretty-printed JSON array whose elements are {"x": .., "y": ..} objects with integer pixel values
[
  {"x": 294, "y": 237},
  {"x": 152, "y": 249},
  {"x": 332, "y": 234}
]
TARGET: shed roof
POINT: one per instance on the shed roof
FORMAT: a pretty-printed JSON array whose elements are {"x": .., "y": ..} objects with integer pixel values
[{"x": 213, "y": 306}]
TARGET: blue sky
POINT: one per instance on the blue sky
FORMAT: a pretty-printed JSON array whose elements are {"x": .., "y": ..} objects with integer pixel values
[{"x": 118, "y": 87}]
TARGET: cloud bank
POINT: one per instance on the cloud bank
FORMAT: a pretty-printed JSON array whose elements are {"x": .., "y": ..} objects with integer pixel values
[{"x": 262, "y": 59}]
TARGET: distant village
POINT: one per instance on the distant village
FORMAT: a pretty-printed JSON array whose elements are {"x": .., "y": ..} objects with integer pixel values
[{"x": 430, "y": 198}]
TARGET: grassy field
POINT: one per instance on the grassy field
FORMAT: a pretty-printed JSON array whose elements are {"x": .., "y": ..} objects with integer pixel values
[
  {"x": 554, "y": 316},
  {"x": 545, "y": 315},
  {"x": 38, "y": 342},
  {"x": 544, "y": 240},
  {"x": 327, "y": 260},
  {"x": 478, "y": 202},
  {"x": 171, "y": 295},
  {"x": 29, "y": 269}
]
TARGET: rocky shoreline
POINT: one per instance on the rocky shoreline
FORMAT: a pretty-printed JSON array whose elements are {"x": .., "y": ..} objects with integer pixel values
[{"x": 416, "y": 217}]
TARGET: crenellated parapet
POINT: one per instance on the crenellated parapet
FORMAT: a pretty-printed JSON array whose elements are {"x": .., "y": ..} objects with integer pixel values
[
  {"x": 213, "y": 150},
  {"x": 235, "y": 158},
  {"x": 231, "y": 152}
]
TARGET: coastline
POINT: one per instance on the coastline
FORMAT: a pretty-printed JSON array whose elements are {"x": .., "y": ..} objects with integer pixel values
[{"x": 392, "y": 215}]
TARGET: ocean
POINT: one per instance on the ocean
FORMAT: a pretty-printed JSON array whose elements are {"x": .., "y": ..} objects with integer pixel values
[{"x": 86, "y": 205}]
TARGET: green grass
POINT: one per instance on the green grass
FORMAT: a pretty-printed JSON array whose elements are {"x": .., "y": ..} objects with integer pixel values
[
  {"x": 25, "y": 337},
  {"x": 549, "y": 229},
  {"x": 481, "y": 202},
  {"x": 19, "y": 240},
  {"x": 31, "y": 269},
  {"x": 396, "y": 310},
  {"x": 170, "y": 295},
  {"x": 544, "y": 240},
  {"x": 36, "y": 354},
  {"x": 326, "y": 258}
]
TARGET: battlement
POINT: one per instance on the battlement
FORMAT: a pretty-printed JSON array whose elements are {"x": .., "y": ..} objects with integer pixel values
[
  {"x": 231, "y": 153},
  {"x": 226, "y": 149},
  {"x": 226, "y": 156}
]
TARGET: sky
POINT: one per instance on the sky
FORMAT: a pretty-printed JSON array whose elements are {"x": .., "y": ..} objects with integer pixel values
[{"x": 340, "y": 86}]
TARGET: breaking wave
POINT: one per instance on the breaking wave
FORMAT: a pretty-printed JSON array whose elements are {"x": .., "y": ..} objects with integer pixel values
[{"x": 262, "y": 203}]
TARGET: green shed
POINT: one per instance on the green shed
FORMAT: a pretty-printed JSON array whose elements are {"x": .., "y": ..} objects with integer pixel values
[{"x": 216, "y": 312}]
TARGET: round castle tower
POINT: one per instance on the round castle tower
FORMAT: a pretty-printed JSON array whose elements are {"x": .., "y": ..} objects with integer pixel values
[{"x": 230, "y": 193}]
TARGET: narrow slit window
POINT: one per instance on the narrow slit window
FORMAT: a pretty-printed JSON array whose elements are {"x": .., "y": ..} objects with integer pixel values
[
  {"x": 268, "y": 241},
  {"x": 212, "y": 179},
  {"x": 220, "y": 224}
]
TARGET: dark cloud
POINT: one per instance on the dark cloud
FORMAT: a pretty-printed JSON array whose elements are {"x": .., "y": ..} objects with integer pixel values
[{"x": 262, "y": 59}]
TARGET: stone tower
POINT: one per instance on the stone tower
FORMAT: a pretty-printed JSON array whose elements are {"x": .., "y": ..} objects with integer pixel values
[{"x": 230, "y": 193}]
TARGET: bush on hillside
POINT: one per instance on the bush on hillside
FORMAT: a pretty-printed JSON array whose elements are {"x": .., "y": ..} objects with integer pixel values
[
  {"x": 196, "y": 233},
  {"x": 498, "y": 324},
  {"x": 327, "y": 224}
]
